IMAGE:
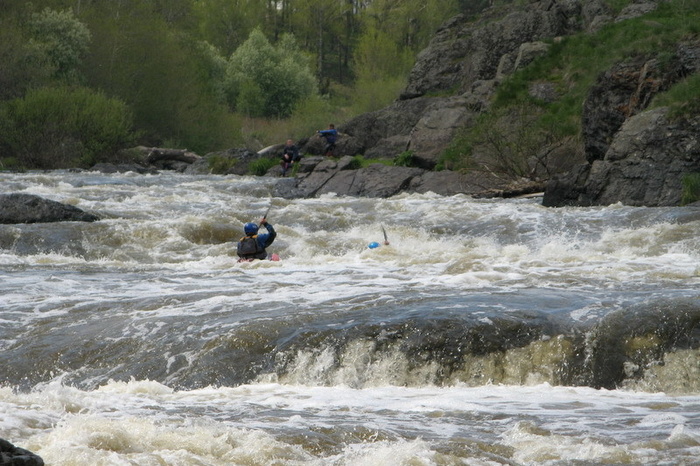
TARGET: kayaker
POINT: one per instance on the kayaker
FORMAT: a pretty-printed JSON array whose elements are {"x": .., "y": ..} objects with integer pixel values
[{"x": 252, "y": 245}]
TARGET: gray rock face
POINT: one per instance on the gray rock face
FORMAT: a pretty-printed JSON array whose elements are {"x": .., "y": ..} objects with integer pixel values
[
  {"x": 317, "y": 176},
  {"x": 27, "y": 208},
  {"x": 621, "y": 92},
  {"x": 462, "y": 52},
  {"x": 635, "y": 156},
  {"x": 644, "y": 165},
  {"x": 465, "y": 60},
  {"x": 398, "y": 119}
]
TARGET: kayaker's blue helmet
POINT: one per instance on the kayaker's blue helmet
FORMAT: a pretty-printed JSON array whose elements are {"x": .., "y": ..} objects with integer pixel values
[{"x": 250, "y": 228}]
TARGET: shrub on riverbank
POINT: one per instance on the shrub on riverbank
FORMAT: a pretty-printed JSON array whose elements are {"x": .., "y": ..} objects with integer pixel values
[{"x": 64, "y": 127}]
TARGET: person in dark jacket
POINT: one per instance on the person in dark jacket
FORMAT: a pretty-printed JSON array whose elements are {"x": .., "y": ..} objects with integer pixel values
[
  {"x": 330, "y": 134},
  {"x": 290, "y": 156},
  {"x": 252, "y": 245}
]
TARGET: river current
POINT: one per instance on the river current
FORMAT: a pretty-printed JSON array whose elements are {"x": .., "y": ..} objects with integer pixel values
[{"x": 488, "y": 332}]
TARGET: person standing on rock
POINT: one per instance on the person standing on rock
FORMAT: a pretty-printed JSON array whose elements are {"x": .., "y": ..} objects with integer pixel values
[
  {"x": 330, "y": 134},
  {"x": 290, "y": 155}
]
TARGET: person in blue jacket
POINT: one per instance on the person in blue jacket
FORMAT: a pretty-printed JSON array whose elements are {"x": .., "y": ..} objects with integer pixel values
[
  {"x": 252, "y": 245},
  {"x": 331, "y": 134}
]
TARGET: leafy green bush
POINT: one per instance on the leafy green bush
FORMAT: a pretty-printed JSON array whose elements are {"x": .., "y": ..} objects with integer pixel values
[
  {"x": 404, "y": 159},
  {"x": 691, "y": 189},
  {"x": 64, "y": 127},
  {"x": 220, "y": 165},
  {"x": 264, "y": 80},
  {"x": 9, "y": 163},
  {"x": 164, "y": 77},
  {"x": 24, "y": 65},
  {"x": 357, "y": 162},
  {"x": 261, "y": 166}
]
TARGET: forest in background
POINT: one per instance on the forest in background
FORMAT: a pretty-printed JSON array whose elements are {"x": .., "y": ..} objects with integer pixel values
[{"x": 82, "y": 79}]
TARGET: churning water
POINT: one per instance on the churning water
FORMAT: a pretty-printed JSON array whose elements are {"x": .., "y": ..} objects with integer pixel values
[{"x": 489, "y": 332}]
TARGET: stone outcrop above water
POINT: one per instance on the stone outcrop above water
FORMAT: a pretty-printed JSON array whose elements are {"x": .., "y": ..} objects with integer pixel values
[
  {"x": 456, "y": 75},
  {"x": 634, "y": 155},
  {"x": 317, "y": 176},
  {"x": 643, "y": 166},
  {"x": 463, "y": 52},
  {"x": 11, "y": 455},
  {"x": 28, "y": 208}
]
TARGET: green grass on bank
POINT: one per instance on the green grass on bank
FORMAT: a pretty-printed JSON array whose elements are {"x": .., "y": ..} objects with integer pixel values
[{"x": 691, "y": 189}]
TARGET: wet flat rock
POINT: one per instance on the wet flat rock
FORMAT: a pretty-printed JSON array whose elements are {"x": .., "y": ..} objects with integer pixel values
[{"x": 28, "y": 208}]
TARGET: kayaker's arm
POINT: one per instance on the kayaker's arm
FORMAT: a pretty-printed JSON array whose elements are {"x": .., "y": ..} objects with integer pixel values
[{"x": 272, "y": 234}]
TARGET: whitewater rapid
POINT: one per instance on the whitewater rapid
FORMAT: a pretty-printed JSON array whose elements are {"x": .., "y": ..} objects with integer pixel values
[{"x": 486, "y": 332}]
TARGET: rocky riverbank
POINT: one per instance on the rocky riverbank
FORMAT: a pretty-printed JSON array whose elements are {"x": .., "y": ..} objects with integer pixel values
[{"x": 627, "y": 151}]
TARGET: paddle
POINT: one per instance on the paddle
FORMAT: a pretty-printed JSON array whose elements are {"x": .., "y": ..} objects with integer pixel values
[
  {"x": 374, "y": 244},
  {"x": 264, "y": 217}
]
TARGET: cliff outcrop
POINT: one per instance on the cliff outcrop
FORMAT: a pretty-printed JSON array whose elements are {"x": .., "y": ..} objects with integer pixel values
[
  {"x": 634, "y": 155},
  {"x": 455, "y": 77},
  {"x": 643, "y": 166}
]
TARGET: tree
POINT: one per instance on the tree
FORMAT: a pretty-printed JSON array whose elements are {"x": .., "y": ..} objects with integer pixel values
[
  {"x": 64, "y": 40},
  {"x": 164, "y": 76},
  {"x": 264, "y": 80},
  {"x": 23, "y": 65},
  {"x": 227, "y": 23},
  {"x": 381, "y": 67}
]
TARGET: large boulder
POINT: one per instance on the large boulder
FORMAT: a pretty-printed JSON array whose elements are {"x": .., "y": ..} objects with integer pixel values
[
  {"x": 621, "y": 92},
  {"x": 28, "y": 208},
  {"x": 425, "y": 126},
  {"x": 398, "y": 119},
  {"x": 377, "y": 180},
  {"x": 318, "y": 175},
  {"x": 436, "y": 128},
  {"x": 463, "y": 52},
  {"x": 644, "y": 165},
  {"x": 11, "y": 455}
]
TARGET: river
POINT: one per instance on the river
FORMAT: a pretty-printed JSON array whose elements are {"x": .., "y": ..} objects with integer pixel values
[{"x": 488, "y": 332}]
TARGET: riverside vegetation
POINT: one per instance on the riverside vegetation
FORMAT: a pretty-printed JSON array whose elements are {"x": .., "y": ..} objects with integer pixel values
[{"x": 85, "y": 81}]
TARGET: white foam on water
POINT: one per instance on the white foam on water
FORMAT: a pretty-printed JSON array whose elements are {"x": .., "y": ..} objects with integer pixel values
[{"x": 147, "y": 422}]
